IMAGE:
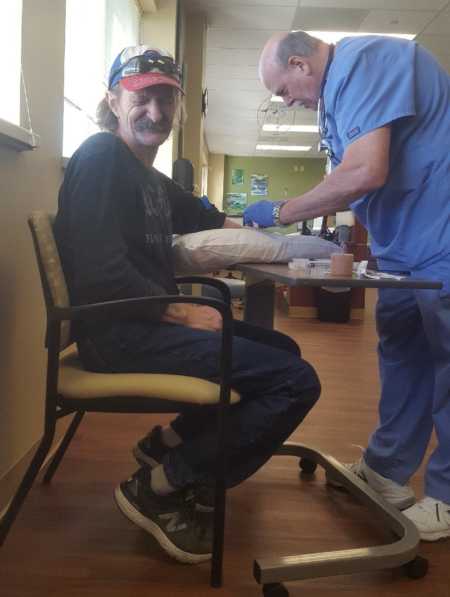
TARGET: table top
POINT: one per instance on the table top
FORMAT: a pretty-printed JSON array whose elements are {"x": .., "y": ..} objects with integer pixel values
[{"x": 280, "y": 272}]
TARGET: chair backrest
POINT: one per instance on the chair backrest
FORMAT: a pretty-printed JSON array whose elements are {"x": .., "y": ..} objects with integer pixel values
[{"x": 53, "y": 281}]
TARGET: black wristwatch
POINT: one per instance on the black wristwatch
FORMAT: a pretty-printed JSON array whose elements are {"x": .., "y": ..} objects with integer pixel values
[{"x": 276, "y": 213}]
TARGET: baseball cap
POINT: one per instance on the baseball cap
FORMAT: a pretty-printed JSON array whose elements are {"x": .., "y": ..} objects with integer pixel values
[{"x": 137, "y": 67}]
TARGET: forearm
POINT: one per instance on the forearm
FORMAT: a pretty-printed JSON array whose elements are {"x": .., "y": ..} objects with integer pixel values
[
  {"x": 364, "y": 168},
  {"x": 340, "y": 188},
  {"x": 229, "y": 223}
]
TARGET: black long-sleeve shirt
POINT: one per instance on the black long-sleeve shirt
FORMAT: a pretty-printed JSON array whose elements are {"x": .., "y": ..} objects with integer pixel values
[{"x": 115, "y": 222}]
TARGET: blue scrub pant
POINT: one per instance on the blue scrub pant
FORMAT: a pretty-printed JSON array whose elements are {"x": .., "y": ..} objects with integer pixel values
[
  {"x": 414, "y": 361},
  {"x": 276, "y": 385}
]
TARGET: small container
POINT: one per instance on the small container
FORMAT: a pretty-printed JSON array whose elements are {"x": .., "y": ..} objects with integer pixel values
[
  {"x": 341, "y": 265},
  {"x": 320, "y": 267},
  {"x": 299, "y": 264}
]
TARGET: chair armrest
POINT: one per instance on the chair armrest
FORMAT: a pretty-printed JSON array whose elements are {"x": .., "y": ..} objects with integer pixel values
[
  {"x": 206, "y": 281},
  {"x": 131, "y": 308}
]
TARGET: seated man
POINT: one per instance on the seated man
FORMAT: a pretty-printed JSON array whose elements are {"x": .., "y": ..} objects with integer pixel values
[{"x": 114, "y": 230}]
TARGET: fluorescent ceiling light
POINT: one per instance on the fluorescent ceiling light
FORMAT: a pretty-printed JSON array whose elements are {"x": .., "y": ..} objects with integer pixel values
[
  {"x": 291, "y": 128},
  {"x": 332, "y": 37},
  {"x": 262, "y": 147}
]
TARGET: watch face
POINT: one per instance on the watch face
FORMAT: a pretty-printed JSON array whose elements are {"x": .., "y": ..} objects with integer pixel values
[{"x": 205, "y": 102}]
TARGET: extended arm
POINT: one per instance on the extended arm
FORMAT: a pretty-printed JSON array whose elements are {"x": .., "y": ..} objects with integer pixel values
[{"x": 364, "y": 168}]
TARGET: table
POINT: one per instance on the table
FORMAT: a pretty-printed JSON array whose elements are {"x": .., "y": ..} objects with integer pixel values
[
  {"x": 271, "y": 572},
  {"x": 261, "y": 279}
]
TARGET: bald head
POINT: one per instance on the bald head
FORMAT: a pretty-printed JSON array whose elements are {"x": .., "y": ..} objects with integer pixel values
[{"x": 291, "y": 65}]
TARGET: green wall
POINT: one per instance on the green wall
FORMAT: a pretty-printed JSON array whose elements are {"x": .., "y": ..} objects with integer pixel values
[{"x": 288, "y": 177}]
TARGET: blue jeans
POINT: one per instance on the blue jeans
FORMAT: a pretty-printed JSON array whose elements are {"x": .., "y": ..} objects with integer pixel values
[
  {"x": 414, "y": 359},
  {"x": 276, "y": 385}
]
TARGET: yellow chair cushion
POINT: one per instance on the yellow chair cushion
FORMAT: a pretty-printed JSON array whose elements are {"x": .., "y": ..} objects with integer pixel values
[{"x": 76, "y": 382}]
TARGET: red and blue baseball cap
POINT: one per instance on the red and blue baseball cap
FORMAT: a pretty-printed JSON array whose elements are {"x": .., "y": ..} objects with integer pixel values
[{"x": 138, "y": 67}]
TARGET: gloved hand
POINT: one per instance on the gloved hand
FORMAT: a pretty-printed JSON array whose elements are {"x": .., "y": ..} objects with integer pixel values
[
  {"x": 206, "y": 202},
  {"x": 260, "y": 213}
]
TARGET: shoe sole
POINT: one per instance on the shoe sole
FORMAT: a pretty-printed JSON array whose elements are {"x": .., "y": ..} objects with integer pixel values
[
  {"x": 143, "y": 459},
  {"x": 130, "y": 512},
  {"x": 434, "y": 536},
  {"x": 401, "y": 504}
]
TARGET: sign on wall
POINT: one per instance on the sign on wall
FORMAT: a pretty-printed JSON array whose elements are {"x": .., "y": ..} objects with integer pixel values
[
  {"x": 259, "y": 184},
  {"x": 237, "y": 176},
  {"x": 234, "y": 203}
]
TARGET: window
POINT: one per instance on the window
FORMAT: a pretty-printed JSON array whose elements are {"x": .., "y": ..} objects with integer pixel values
[
  {"x": 96, "y": 31},
  {"x": 12, "y": 133},
  {"x": 204, "y": 185},
  {"x": 11, "y": 49}
]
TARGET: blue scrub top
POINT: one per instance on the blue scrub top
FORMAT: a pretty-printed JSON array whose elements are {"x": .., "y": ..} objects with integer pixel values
[{"x": 376, "y": 81}]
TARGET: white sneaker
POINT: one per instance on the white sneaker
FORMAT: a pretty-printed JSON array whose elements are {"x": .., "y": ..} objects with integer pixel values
[
  {"x": 400, "y": 496},
  {"x": 431, "y": 517}
]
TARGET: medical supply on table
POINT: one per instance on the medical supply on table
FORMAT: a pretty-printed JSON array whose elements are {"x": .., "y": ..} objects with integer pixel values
[
  {"x": 299, "y": 264},
  {"x": 341, "y": 264},
  {"x": 374, "y": 275},
  {"x": 371, "y": 274},
  {"x": 361, "y": 267},
  {"x": 310, "y": 267}
]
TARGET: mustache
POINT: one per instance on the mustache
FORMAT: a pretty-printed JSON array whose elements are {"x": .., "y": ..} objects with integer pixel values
[{"x": 147, "y": 124}]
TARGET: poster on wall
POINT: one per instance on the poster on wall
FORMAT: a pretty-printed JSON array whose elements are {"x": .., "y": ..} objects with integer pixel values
[
  {"x": 237, "y": 176},
  {"x": 234, "y": 203},
  {"x": 259, "y": 184}
]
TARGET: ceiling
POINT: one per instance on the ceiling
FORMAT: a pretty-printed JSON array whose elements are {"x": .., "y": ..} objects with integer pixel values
[{"x": 237, "y": 31}]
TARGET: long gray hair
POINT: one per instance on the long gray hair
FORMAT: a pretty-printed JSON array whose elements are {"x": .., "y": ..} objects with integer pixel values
[{"x": 106, "y": 119}]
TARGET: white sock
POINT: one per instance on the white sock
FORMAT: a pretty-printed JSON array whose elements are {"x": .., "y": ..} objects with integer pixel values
[
  {"x": 170, "y": 438},
  {"x": 159, "y": 482}
]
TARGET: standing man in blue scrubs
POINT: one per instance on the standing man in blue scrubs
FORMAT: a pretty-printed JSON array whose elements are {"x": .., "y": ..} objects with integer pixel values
[{"x": 384, "y": 117}]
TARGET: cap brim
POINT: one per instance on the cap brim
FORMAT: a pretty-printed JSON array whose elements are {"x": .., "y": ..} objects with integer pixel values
[{"x": 136, "y": 82}]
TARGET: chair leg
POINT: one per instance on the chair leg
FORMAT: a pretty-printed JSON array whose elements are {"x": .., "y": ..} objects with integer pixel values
[
  {"x": 51, "y": 470},
  {"x": 219, "y": 499},
  {"x": 25, "y": 486},
  {"x": 219, "y": 532}
]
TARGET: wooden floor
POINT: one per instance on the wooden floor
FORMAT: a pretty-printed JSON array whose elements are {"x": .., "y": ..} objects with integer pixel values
[{"x": 71, "y": 541}]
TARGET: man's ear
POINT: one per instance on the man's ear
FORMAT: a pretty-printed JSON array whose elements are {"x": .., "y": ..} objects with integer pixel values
[{"x": 300, "y": 63}]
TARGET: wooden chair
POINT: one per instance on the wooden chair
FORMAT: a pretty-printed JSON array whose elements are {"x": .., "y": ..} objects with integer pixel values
[{"x": 71, "y": 390}]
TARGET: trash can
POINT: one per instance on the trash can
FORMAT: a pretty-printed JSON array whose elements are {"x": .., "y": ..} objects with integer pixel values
[{"x": 334, "y": 303}]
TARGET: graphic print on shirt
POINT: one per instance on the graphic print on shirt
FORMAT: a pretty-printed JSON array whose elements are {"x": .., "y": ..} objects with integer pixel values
[{"x": 158, "y": 216}]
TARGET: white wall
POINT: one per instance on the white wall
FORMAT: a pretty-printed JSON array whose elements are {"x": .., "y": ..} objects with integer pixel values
[{"x": 28, "y": 181}]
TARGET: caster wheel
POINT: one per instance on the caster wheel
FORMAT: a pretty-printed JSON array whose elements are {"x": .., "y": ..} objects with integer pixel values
[
  {"x": 307, "y": 466},
  {"x": 275, "y": 590},
  {"x": 416, "y": 568}
]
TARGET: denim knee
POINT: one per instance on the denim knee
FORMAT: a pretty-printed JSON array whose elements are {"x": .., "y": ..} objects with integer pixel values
[{"x": 305, "y": 383}]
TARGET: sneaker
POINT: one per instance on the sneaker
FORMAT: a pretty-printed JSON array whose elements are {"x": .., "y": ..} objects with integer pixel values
[
  {"x": 172, "y": 519},
  {"x": 400, "y": 496},
  {"x": 431, "y": 517},
  {"x": 150, "y": 450},
  {"x": 204, "y": 498}
]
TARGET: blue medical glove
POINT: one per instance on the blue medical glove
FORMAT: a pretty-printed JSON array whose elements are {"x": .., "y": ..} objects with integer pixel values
[
  {"x": 260, "y": 213},
  {"x": 206, "y": 202}
]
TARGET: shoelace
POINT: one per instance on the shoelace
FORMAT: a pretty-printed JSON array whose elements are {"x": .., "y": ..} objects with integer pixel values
[
  {"x": 192, "y": 515},
  {"x": 437, "y": 510}
]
